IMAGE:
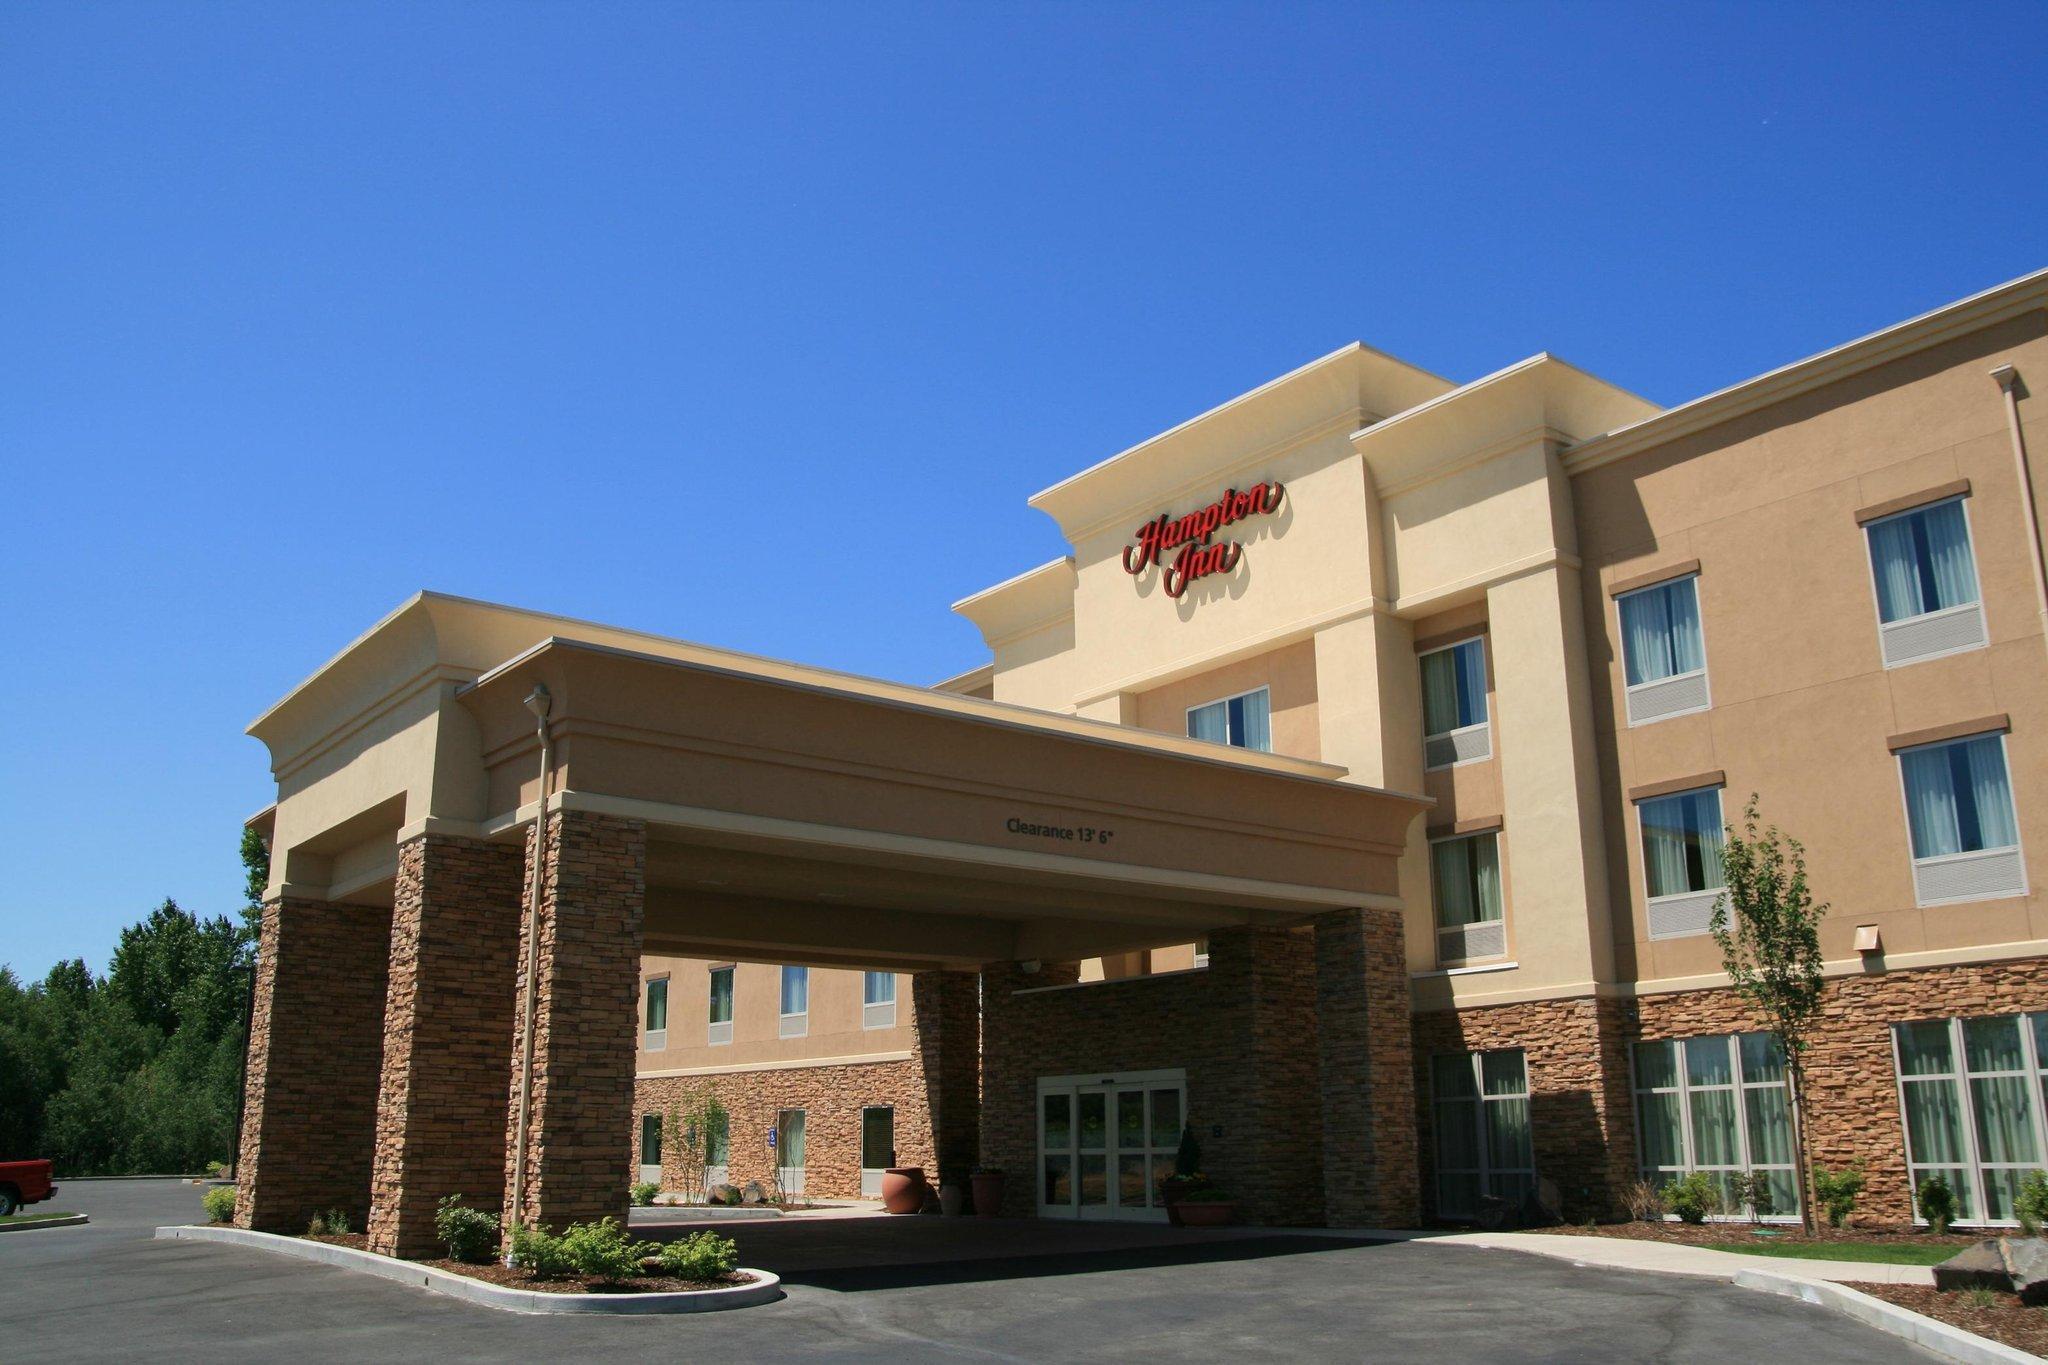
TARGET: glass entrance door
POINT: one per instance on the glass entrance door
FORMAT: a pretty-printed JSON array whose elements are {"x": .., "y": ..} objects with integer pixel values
[{"x": 1106, "y": 1143}]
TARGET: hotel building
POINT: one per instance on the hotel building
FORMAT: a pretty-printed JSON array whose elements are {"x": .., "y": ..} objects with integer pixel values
[{"x": 1353, "y": 793}]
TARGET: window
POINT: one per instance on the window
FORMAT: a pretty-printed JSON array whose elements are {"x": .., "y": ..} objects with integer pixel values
[
  {"x": 656, "y": 1015},
  {"x": 1664, "y": 654},
  {"x": 1926, "y": 580},
  {"x": 878, "y": 1000},
  {"x": 1244, "y": 721},
  {"x": 1465, "y": 876},
  {"x": 1454, "y": 705},
  {"x": 1681, "y": 861},
  {"x": 1966, "y": 838},
  {"x": 720, "y": 1030},
  {"x": 1720, "y": 1105},
  {"x": 877, "y": 1147},
  {"x": 1971, "y": 1092},
  {"x": 1481, "y": 1103},
  {"x": 650, "y": 1147},
  {"x": 796, "y": 1002},
  {"x": 789, "y": 1151},
  {"x": 1201, "y": 952}
]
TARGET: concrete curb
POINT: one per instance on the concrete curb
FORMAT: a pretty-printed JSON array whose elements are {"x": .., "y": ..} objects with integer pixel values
[
  {"x": 69, "y": 1220},
  {"x": 1938, "y": 1337},
  {"x": 766, "y": 1288}
]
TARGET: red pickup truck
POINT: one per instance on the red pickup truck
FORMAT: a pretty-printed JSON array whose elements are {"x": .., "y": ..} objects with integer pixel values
[{"x": 23, "y": 1182}]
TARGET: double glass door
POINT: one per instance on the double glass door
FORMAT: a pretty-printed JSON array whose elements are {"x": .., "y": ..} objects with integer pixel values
[{"x": 1105, "y": 1143}]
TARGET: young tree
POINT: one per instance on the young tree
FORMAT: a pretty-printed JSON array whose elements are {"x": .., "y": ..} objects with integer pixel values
[
  {"x": 1768, "y": 930},
  {"x": 255, "y": 880}
]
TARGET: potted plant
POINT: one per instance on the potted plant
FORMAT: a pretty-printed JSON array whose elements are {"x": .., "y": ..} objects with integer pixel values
[
  {"x": 952, "y": 1193},
  {"x": 903, "y": 1189},
  {"x": 1201, "y": 1204},
  {"x": 988, "y": 1192},
  {"x": 1187, "y": 1167}
]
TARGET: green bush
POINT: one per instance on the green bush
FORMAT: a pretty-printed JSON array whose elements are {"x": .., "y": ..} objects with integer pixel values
[
  {"x": 219, "y": 1203},
  {"x": 1836, "y": 1192},
  {"x": 471, "y": 1235},
  {"x": 540, "y": 1253},
  {"x": 1937, "y": 1203},
  {"x": 2030, "y": 1205},
  {"x": 1693, "y": 1198},
  {"x": 644, "y": 1192},
  {"x": 602, "y": 1250},
  {"x": 700, "y": 1256}
]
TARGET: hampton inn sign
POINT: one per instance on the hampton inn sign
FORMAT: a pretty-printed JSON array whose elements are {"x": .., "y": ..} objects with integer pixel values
[{"x": 1191, "y": 537}]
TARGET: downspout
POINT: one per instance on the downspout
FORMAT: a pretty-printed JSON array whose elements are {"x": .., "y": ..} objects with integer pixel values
[
  {"x": 2009, "y": 383},
  {"x": 538, "y": 702}
]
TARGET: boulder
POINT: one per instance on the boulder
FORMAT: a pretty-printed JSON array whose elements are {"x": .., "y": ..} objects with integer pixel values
[
  {"x": 1494, "y": 1213},
  {"x": 1542, "y": 1207},
  {"x": 2016, "y": 1265},
  {"x": 725, "y": 1194},
  {"x": 753, "y": 1193}
]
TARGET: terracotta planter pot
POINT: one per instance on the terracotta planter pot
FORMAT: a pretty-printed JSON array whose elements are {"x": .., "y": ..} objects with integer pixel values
[
  {"x": 952, "y": 1200},
  {"x": 1202, "y": 1213},
  {"x": 988, "y": 1194},
  {"x": 903, "y": 1189}
]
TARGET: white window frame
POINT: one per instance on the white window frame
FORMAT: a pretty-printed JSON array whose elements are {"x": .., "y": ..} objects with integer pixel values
[
  {"x": 795, "y": 1024},
  {"x": 1188, "y": 718},
  {"x": 651, "y": 1170},
  {"x": 1483, "y": 729},
  {"x": 1877, "y": 606},
  {"x": 1478, "y": 1101},
  {"x": 791, "y": 1178},
  {"x": 654, "y": 1039},
  {"x": 1740, "y": 1087},
  {"x": 1500, "y": 863},
  {"x": 719, "y": 1033},
  {"x": 1201, "y": 952},
  {"x": 877, "y": 1013},
  {"x": 1681, "y": 899},
  {"x": 1959, "y": 1077},
  {"x": 2017, "y": 847},
  {"x": 1703, "y": 672}
]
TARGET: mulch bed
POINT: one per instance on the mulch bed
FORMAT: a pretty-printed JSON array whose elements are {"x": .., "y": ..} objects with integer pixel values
[
  {"x": 514, "y": 1278},
  {"x": 2007, "y": 1320},
  {"x": 1723, "y": 1234}
]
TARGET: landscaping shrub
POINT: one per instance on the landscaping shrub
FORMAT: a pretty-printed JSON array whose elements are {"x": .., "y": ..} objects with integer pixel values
[
  {"x": 471, "y": 1235},
  {"x": 1693, "y": 1198},
  {"x": 644, "y": 1192},
  {"x": 700, "y": 1256},
  {"x": 1837, "y": 1190},
  {"x": 540, "y": 1253},
  {"x": 602, "y": 1250},
  {"x": 219, "y": 1203},
  {"x": 1937, "y": 1203},
  {"x": 1754, "y": 1189},
  {"x": 2030, "y": 1205},
  {"x": 1644, "y": 1204}
]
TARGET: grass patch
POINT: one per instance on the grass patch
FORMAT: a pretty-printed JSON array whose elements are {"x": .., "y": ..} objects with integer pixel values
[
  {"x": 39, "y": 1216},
  {"x": 1881, "y": 1253}
]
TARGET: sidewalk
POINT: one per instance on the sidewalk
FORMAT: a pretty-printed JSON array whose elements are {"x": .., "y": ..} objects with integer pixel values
[{"x": 1666, "y": 1258}]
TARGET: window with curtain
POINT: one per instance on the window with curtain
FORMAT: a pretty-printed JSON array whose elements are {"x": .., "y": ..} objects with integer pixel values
[
  {"x": 1660, "y": 631},
  {"x": 877, "y": 1138},
  {"x": 1245, "y": 721},
  {"x": 721, "y": 995},
  {"x": 1719, "y": 1104},
  {"x": 1971, "y": 1094},
  {"x": 879, "y": 988},
  {"x": 796, "y": 990},
  {"x": 1465, "y": 879},
  {"x": 657, "y": 1005},
  {"x": 1681, "y": 843},
  {"x": 789, "y": 1141},
  {"x": 1922, "y": 562},
  {"x": 1454, "y": 687},
  {"x": 650, "y": 1140},
  {"x": 1957, "y": 797},
  {"x": 1480, "y": 1103}
]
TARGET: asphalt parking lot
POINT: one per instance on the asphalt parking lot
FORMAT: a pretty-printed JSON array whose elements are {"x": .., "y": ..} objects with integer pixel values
[{"x": 912, "y": 1288}]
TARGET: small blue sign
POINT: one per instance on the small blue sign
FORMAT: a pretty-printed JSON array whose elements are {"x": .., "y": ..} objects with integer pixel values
[{"x": 771, "y": 1139}]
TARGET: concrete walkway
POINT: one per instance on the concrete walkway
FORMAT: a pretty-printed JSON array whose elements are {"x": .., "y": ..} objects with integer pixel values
[{"x": 1665, "y": 1258}]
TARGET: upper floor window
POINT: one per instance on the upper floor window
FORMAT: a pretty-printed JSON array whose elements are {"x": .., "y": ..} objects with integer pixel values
[
  {"x": 878, "y": 1000},
  {"x": 1926, "y": 582},
  {"x": 1966, "y": 838},
  {"x": 1681, "y": 861},
  {"x": 1465, "y": 875},
  {"x": 1664, "y": 654},
  {"x": 1454, "y": 722},
  {"x": 1245, "y": 721},
  {"x": 720, "y": 1029},
  {"x": 796, "y": 1002},
  {"x": 655, "y": 1017}
]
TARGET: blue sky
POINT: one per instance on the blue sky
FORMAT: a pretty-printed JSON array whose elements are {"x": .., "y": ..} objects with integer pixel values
[{"x": 661, "y": 314}]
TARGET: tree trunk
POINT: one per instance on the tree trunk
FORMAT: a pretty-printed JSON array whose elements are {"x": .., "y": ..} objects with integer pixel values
[{"x": 1801, "y": 1167}]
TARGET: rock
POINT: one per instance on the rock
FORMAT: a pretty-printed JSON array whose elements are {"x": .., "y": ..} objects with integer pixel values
[
  {"x": 725, "y": 1194},
  {"x": 754, "y": 1194},
  {"x": 2017, "y": 1265},
  {"x": 2028, "y": 1257},
  {"x": 650, "y": 1265},
  {"x": 1542, "y": 1207},
  {"x": 1494, "y": 1213}
]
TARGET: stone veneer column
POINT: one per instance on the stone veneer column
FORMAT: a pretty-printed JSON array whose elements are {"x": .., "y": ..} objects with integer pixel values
[
  {"x": 580, "y": 1130},
  {"x": 447, "y": 1034},
  {"x": 1367, "y": 1083},
  {"x": 315, "y": 1039},
  {"x": 946, "y": 1015}
]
